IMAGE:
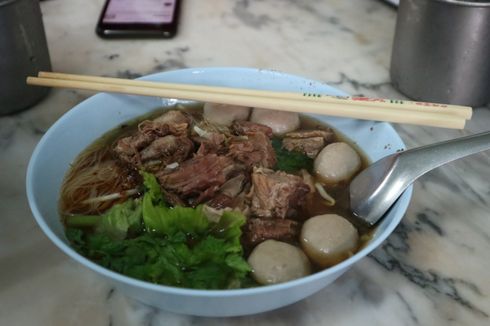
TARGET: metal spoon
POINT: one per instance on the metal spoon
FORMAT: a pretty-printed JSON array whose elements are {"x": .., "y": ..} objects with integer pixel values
[{"x": 375, "y": 189}]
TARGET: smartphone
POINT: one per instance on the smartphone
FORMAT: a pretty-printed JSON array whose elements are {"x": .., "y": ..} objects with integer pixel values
[{"x": 138, "y": 18}]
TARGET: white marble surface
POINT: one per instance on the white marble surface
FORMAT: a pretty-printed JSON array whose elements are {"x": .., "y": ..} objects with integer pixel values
[{"x": 435, "y": 268}]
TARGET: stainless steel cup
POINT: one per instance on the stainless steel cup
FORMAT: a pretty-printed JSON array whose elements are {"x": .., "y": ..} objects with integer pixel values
[
  {"x": 23, "y": 52},
  {"x": 441, "y": 51}
]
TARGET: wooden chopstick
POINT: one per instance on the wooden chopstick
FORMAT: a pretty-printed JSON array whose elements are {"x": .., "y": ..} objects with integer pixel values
[
  {"x": 448, "y": 116},
  {"x": 463, "y": 111}
]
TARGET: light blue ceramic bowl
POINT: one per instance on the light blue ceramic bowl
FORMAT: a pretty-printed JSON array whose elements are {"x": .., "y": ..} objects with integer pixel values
[{"x": 95, "y": 116}]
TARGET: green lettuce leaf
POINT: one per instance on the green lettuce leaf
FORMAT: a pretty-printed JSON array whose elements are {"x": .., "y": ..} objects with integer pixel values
[
  {"x": 160, "y": 218},
  {"x": 163, "y": 260},
  {"x": 178, "y": 246},
  {"x": 120, "y": 219},
  {"x": 115, "y": 222}
]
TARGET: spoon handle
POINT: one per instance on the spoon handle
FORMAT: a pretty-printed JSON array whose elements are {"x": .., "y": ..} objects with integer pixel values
[
  {"x": 424, "y": 159},
  {"x": 375, "y": 189}
]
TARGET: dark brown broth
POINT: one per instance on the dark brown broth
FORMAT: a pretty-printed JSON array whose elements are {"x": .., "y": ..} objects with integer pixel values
[{"x": 340, "y": 191}]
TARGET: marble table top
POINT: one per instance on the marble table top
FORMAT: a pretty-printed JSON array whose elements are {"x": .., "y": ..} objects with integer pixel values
[{"x": 433, "y": 270}]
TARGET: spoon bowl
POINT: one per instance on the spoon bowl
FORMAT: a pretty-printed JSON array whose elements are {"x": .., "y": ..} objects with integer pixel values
[{"x": 376, "y": 189}]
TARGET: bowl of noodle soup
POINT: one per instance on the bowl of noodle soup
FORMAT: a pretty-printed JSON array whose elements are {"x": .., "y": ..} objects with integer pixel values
[{"x": 79, "y": 128}]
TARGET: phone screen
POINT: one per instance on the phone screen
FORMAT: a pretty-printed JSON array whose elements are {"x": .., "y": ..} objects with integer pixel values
[
  {"x": 140, "y": 11},
  {"x": 139, "y": 18}
]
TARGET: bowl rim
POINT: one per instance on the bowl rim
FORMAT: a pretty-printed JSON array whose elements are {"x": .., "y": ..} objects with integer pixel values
[{"x": 68, "y": 250}]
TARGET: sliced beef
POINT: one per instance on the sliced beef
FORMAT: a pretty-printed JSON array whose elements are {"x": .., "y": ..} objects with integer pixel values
[
  {"x": 127, "y": 148},
  {"x": 171, "y": 122},
  {"x": 199, "y": 178},
  {"x": 254, "y": 150},
  {"x": 234, "y": 186},
  {"x": 249, "y": 128},
  {"x": 276, "y": 194},
  {"x": 152, "y": 133},
  {"x": 257, "y": 230},
  {"x": 173, "y": 199},
  {"x": 308, "y": 142},
  {"x": 162, "y": 129},
  {"x": 220, "y": 201},
  {"x": 214, "y": 143},
  {"x": 308, "y": 146},
  {"x": 227, "y": 196},
  {"x": 126, "y": 152},
  {"x": 168, "y": 149}
]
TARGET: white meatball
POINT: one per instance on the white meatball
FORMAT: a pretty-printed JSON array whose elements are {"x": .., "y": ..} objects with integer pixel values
[
  {"x": 328, "y": 239},
  {"x": 276, "y": 262},
  {"x": 280, "y": 122},
  {"x": 337, "y": 162},
  {"x": 224, "y": 114}
]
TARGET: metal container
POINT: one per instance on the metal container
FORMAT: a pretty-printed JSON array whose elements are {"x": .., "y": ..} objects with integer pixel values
[
  {"x": 441, "y": 51},
  {"x": 23, "y": 52}
]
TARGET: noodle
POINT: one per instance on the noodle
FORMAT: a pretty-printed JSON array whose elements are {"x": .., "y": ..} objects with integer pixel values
[{"x": 94, "y": 175}]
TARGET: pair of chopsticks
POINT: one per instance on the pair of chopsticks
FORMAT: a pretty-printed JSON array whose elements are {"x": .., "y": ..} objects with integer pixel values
[{"x": 398, "y": 111}]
